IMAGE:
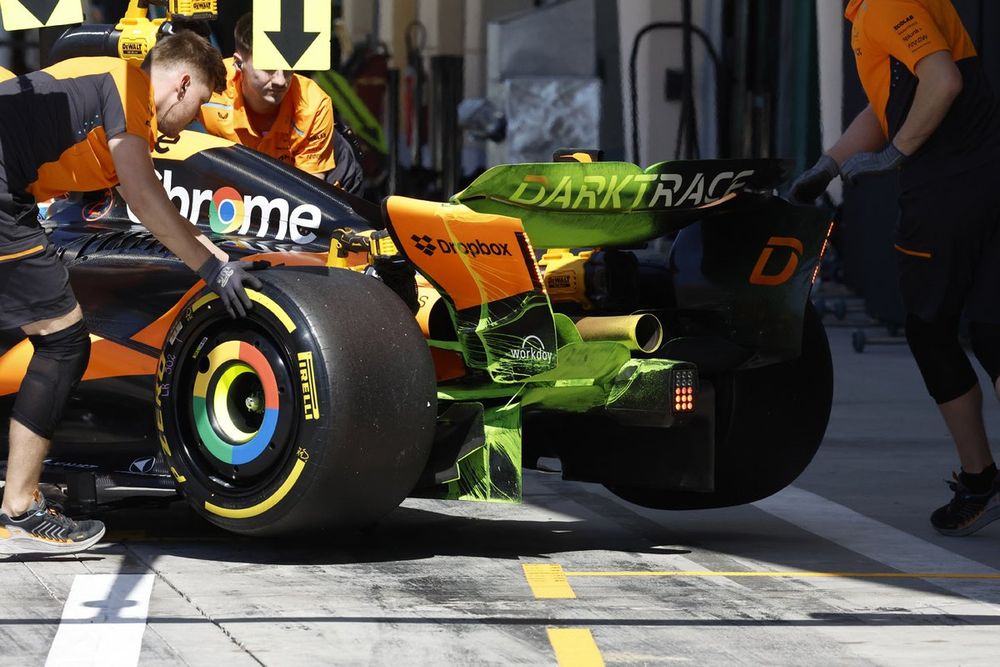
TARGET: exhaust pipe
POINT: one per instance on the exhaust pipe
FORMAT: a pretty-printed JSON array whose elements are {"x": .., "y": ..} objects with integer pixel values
[{"x": 642, "y": 332}]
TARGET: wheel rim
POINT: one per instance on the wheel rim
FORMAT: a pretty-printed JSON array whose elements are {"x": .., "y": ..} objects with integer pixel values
[
  {"x": 237, "y": 423},
  {"x": 237, "y": 391}
]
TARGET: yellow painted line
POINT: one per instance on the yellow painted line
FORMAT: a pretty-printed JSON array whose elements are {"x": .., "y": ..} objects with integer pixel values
[
  {"x": 848, "y": 575},
  {"x": 575, "y": 647},
  {"x": 547, "y": 581},
  {"x": 264, "y": 506}
]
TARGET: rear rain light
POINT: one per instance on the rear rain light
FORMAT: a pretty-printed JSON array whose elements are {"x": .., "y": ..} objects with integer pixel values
[
  {"x": 685, "y": 383},
  {"x": 529, "y": 259},
  {"x": 822, "y": 251}
]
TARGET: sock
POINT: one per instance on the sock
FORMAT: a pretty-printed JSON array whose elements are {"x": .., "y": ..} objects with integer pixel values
[{"x": 980, "y": 482}]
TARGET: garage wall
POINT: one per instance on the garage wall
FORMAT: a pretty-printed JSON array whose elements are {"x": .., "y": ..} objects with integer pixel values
[{"x": 660, "y": 50}]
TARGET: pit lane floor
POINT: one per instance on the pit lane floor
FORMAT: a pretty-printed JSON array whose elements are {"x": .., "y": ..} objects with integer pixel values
[{"x": 840, "y": 569}]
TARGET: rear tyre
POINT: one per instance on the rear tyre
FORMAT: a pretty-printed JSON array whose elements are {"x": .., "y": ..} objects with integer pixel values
[
  {"x": 316, "y": 412},
  {"x": 769, "y": 424}
]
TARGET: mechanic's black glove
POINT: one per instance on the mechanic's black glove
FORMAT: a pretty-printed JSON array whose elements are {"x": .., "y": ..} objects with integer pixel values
[
  {"x": 862, "y": 164},
  {"x": 227, "y": 279},
  {"x": 813, "y": 181},
  {"x": 346, "y": 173}
]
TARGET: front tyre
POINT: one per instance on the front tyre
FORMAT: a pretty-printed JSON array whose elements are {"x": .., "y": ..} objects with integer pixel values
[{"x": 315, "y": 412}]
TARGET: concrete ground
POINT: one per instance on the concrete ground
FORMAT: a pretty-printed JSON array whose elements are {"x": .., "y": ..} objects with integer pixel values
[{"x": 840, "y": 569}]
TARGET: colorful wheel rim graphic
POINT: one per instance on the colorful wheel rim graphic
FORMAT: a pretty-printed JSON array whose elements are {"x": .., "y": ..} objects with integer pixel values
[
  {"x": 225, "y": 213},
  {"x": 215, "y": 424}
]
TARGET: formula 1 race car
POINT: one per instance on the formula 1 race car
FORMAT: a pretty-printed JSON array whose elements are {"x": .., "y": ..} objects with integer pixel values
[
  {"x": 648, "y": 327},
  {"x": 436, "y": 349}
]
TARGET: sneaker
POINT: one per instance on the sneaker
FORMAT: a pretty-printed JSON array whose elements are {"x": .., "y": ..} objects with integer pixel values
[
  {"x": 967, "y": 512},
  {"x": 43, "y": 529}
]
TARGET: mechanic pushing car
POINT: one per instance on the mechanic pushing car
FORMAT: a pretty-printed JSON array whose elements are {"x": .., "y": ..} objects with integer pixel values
[
  {"x": 85, "y": 124},
  {"x": 929, "y": 97},
  {"x": 281, "y": 114}
]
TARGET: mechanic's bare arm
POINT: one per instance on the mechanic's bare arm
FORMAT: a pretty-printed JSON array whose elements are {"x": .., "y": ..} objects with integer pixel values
[
  {"x": 864, "y": 134},
  {"x": 205, "y": 241},
  {"x": 939, "y": 83},
  {"x": 149, "y": 202}
]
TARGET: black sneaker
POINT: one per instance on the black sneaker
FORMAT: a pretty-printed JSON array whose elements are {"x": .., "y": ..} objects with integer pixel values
[
  {"x": 967, "y": 512},
  {"x": 45, "y": 530}
]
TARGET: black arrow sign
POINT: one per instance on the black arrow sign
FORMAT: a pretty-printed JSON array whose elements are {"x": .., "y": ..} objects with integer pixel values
[
  {"x": 292, "y": 40},
  {"x": 41, "y": 9}
]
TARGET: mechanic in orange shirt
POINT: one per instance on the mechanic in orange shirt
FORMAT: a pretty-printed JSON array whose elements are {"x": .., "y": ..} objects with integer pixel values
[
  {"x": 85, "y": 124},
  {"x": 281, "y": 114},
  {"x": 930, "y": 100}
]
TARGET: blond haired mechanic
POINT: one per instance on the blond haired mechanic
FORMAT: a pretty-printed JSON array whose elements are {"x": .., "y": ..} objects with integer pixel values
[
  {"x": 281, "y": 114},
  {"x": 933, "y": 117},
  {"x": 85, "y": 124}
]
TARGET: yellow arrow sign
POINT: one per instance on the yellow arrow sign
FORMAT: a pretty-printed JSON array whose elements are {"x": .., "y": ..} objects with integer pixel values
[
  {"x": 292, "y": 34},
  {"x": 27, "y": 14}
]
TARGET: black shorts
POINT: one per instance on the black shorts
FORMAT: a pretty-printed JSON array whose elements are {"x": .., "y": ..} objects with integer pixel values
[
  {"x": 948, "y": 247},
  {"x": 34, "y": 283}
]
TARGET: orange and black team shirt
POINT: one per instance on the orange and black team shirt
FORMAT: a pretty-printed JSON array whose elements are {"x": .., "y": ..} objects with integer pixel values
[
  {"x": 889, "y": 38},
  {"x": 57, "y": 123},
  {"x": 301, "y": 135}
]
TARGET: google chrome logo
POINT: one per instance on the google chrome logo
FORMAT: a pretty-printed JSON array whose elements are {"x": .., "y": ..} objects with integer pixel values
[{"x": 225, "y": 213}]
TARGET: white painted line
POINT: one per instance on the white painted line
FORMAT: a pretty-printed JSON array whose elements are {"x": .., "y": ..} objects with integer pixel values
[
  {"x": 875, "y": 540},
  {"x": 103, "y": 621}
]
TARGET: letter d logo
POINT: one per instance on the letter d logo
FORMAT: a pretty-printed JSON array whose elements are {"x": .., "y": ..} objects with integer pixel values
[{"x": 758, "y": 277}]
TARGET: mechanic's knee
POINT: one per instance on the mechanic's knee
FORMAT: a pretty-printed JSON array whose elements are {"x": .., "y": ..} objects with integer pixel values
[
  {"x": 943, "y": 363},
  {"x": 55, "y": 370},
  {"x": 986, "y": 346}
]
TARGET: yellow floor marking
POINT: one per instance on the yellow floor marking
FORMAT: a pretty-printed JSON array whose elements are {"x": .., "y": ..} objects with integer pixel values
[
  {"x": 547, "y": 581},
  {"x": 575, "y": 647},
  {"x": 855, "y": 575}
]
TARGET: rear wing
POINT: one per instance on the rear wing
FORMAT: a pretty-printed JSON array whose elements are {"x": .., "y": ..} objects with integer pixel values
[{"x": 576, "y": 204}]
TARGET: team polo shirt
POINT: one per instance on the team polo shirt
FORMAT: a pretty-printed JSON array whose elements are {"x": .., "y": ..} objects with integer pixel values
[
  {"x": 889, "y": 38},
  {"x": 301, "y": 134},
  {"x": 57, "y": 123}
]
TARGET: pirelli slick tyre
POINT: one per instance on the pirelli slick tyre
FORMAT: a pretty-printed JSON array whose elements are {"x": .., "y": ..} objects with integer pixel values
[
  {"x": 770, "y": 422},
  {"x": 314, "y": 413}
]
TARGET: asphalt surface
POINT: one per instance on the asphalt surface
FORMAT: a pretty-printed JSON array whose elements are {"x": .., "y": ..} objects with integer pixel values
[{"x": 842, "y": 568}]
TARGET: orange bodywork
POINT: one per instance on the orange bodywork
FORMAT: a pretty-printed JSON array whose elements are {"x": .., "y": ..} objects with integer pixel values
[
  {"x": 448, "y": 365},
  {"x": 110, "y": 359},
  {"x": 475, "y": 258},
  {"x": 107, "y": 358}
]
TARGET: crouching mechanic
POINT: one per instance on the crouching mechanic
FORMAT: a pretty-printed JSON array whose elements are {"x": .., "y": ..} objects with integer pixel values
[
  {"x": 85, "y": 124},
  {"x": 281, "y": 114},
  {"x": 933, "y": 117}
]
